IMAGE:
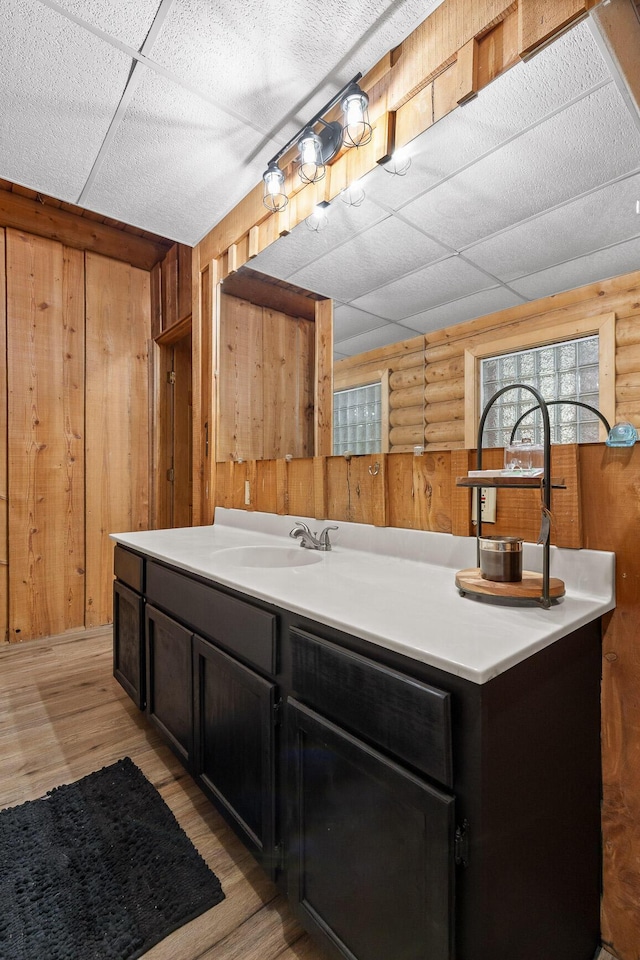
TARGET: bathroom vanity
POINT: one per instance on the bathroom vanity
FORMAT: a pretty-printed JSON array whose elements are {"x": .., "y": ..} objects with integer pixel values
[{"x": 418, "y": 771}]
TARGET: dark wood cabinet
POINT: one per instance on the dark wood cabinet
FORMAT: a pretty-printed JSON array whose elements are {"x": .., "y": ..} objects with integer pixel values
[
  {"x": 128, "y": 642},
  {"x": 234, "y": 750},
  {"x": 169, "y": 681},
  {"x": 371, "y": 849},
  {"x": 408, "y": 813}
]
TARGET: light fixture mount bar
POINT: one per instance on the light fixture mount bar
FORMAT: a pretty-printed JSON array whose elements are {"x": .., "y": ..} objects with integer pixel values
[{"x": 318, "y": 117}]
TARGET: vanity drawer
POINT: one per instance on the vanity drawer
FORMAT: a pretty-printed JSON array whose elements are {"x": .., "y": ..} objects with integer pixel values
[
  {"x": 405, "y": 717},
  {"x": 129, "y": 568},
  {"x": 236, "y": 626}
]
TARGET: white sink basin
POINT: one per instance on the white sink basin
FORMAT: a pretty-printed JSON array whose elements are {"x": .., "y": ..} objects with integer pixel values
[{"x": 266, "y": 555}]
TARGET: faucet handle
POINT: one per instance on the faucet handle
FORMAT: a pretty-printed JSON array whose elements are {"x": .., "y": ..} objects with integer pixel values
[{"x": 324, "y": 537}]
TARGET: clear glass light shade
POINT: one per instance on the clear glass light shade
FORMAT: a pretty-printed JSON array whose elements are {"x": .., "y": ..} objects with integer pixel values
[
  {"x": 622, "y": 434},
  {"x": 317, "y": 220},
  {"x": 274, "y": 198},
  {"x": 353, "y": 195},
  {"x": 399, "y": 163},
  {"x": 355, "y": 106},
  {"x": 311, "y": 166}
]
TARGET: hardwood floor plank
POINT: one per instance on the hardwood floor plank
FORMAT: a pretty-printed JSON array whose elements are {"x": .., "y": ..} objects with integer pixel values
[{"x": 62, "y": 716}]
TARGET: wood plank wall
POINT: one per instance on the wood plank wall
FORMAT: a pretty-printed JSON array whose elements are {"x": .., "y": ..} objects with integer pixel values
[
  {"x": 264, "y": 382},
  {"x": 45, "y": 362},
  {"x": 118, "y": 323},
  {"x": 55, "y": 556}
]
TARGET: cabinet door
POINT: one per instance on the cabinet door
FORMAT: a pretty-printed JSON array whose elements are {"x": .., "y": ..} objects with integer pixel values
[
  {"x": 370, "y": 848},
  {"x": 128, "y": 642},
  {"x": 169, "y": 681},
  {"x": 234, "y": 745}
]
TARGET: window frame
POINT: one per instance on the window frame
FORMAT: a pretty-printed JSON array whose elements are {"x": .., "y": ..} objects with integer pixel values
[{"x": 542, "y": 335}]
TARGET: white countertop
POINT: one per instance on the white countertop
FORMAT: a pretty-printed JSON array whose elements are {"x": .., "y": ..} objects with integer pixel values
[{"x": 390, "y": 586}]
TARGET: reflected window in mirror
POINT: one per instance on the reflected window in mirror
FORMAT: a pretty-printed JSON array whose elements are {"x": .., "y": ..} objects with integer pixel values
[
  {"x": 567, "y": 370},
  {"x": 357, "y": 420}
]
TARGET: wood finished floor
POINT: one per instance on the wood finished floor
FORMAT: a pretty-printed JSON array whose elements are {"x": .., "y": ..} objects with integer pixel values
[{"x": 62, "y": 716}]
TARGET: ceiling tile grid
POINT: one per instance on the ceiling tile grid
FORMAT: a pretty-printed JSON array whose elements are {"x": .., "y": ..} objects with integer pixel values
[
  {"x": 60, "y": 87},
  {"x": 128, "y": 22}
]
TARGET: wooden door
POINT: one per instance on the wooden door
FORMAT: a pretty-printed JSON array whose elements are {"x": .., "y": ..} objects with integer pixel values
[
  {"x": 45, "y": 371},
  {"x": 370, "y": 848}
]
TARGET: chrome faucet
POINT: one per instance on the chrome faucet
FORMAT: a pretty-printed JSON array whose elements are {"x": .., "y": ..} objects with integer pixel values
[{"x": 311, "y": 540}]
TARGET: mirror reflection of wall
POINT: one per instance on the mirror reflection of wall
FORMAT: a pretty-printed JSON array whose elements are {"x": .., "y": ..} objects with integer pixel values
[{"x": 265, "y": 369}]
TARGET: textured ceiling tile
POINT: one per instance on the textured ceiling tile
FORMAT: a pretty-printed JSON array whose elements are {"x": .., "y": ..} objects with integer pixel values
[
  {"x": 302, "y": 246},
  {"x": 600, "y": 219},
  {"x": 164, "y": 169},
  {"x": 467, "y": 308},
  {"x": 277, "y": 65},
  {"x": 349, "y": 322},
  {"x": 438, "y": 283},
  {"x": 589, "y": 143},
  {"x": 128, "y": 22},
  {"x": 524, "y": 95},
  {"x": 381, "y": 337},
  {"x": 60, "y": 86},
  {"x": 612, "y": 262},
  {"x": 380, "y": 254}
]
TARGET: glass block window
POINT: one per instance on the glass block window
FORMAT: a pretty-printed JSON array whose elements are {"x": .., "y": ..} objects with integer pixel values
[
  {"x": 559, "y": 371},
  {"x": 357, "y": 420}
]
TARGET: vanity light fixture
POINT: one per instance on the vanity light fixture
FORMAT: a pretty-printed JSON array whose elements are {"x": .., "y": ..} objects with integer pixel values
[
  {"x": 274, "y": 197},
  {"x": 353, "y": 195},
  {"x": 319, "y": 142},
  {"x": 399, "y": 163},
  {"x": 318, "y": 220}
]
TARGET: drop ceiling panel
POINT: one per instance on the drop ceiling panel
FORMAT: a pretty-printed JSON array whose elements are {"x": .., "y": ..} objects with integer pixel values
[
  {"x": 60, "y": 87},
  {"x": 148, "y": 170},
  {"x": 303, "y": 246},
  {"x": 523, "y": 96},
  {"x": 277, "y": 65},
  {"x": 602, "y": 218},
  {"x": 442, "y": 281},
  {"x": 611, "y": 262},
  {"x": 128, "y": 22},
  {"x": 548, "y": 165},
  {"x": 381, "y": 337},
  {"x": 467, "y": 308},
  {"x": 349, "y": 322},
  {"x": 385, "y": 251}
]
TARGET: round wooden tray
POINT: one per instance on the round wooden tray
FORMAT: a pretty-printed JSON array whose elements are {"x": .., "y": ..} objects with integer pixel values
[{"x": 529, "y": 588}]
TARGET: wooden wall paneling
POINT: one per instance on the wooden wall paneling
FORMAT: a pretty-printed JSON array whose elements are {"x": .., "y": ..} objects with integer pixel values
[
  {"x": 155, "y": 280},
  {"x": 356, "y": 493},
  {"x": 204, "y": 333},
  {"x": 169, "y": 288},
  {"x": 323, "y": 398},
  {"x": 611, "y": 518},
  {"x": 540, "y": 21},
  {"x": 306, "y": 366},
  {"x": 45, "y": 220},
  {"x": 182, "y": 433},
  {"x": 240, "y": 383},
  {"x": 185, "y": 269},
  {"x": 461, "y": 461},
  {"x": 160, "y": 397},
  {"x": 419, "y": 491},
  {"x": 118, "y": 329},
  {"x": 265, "y": 493},
  {"x": 282, "y": 487},
  {"x": 300, "y": 481},
  {"x": 283, "y": 420},
  {"x": 320, "y": 488},
  {"x": 45, "y": 361},
  {"x": 4, "y": 529}
]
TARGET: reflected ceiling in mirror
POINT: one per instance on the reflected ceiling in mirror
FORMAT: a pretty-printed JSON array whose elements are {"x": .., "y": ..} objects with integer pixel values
[{"x": 527, "y": 190}]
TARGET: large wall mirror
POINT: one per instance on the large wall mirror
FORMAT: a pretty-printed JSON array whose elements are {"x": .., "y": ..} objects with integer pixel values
[{"x": 527, "y": 190}]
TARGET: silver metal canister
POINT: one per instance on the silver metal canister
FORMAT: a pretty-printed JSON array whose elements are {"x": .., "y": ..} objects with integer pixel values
[{"x": 501, "y": 558}]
